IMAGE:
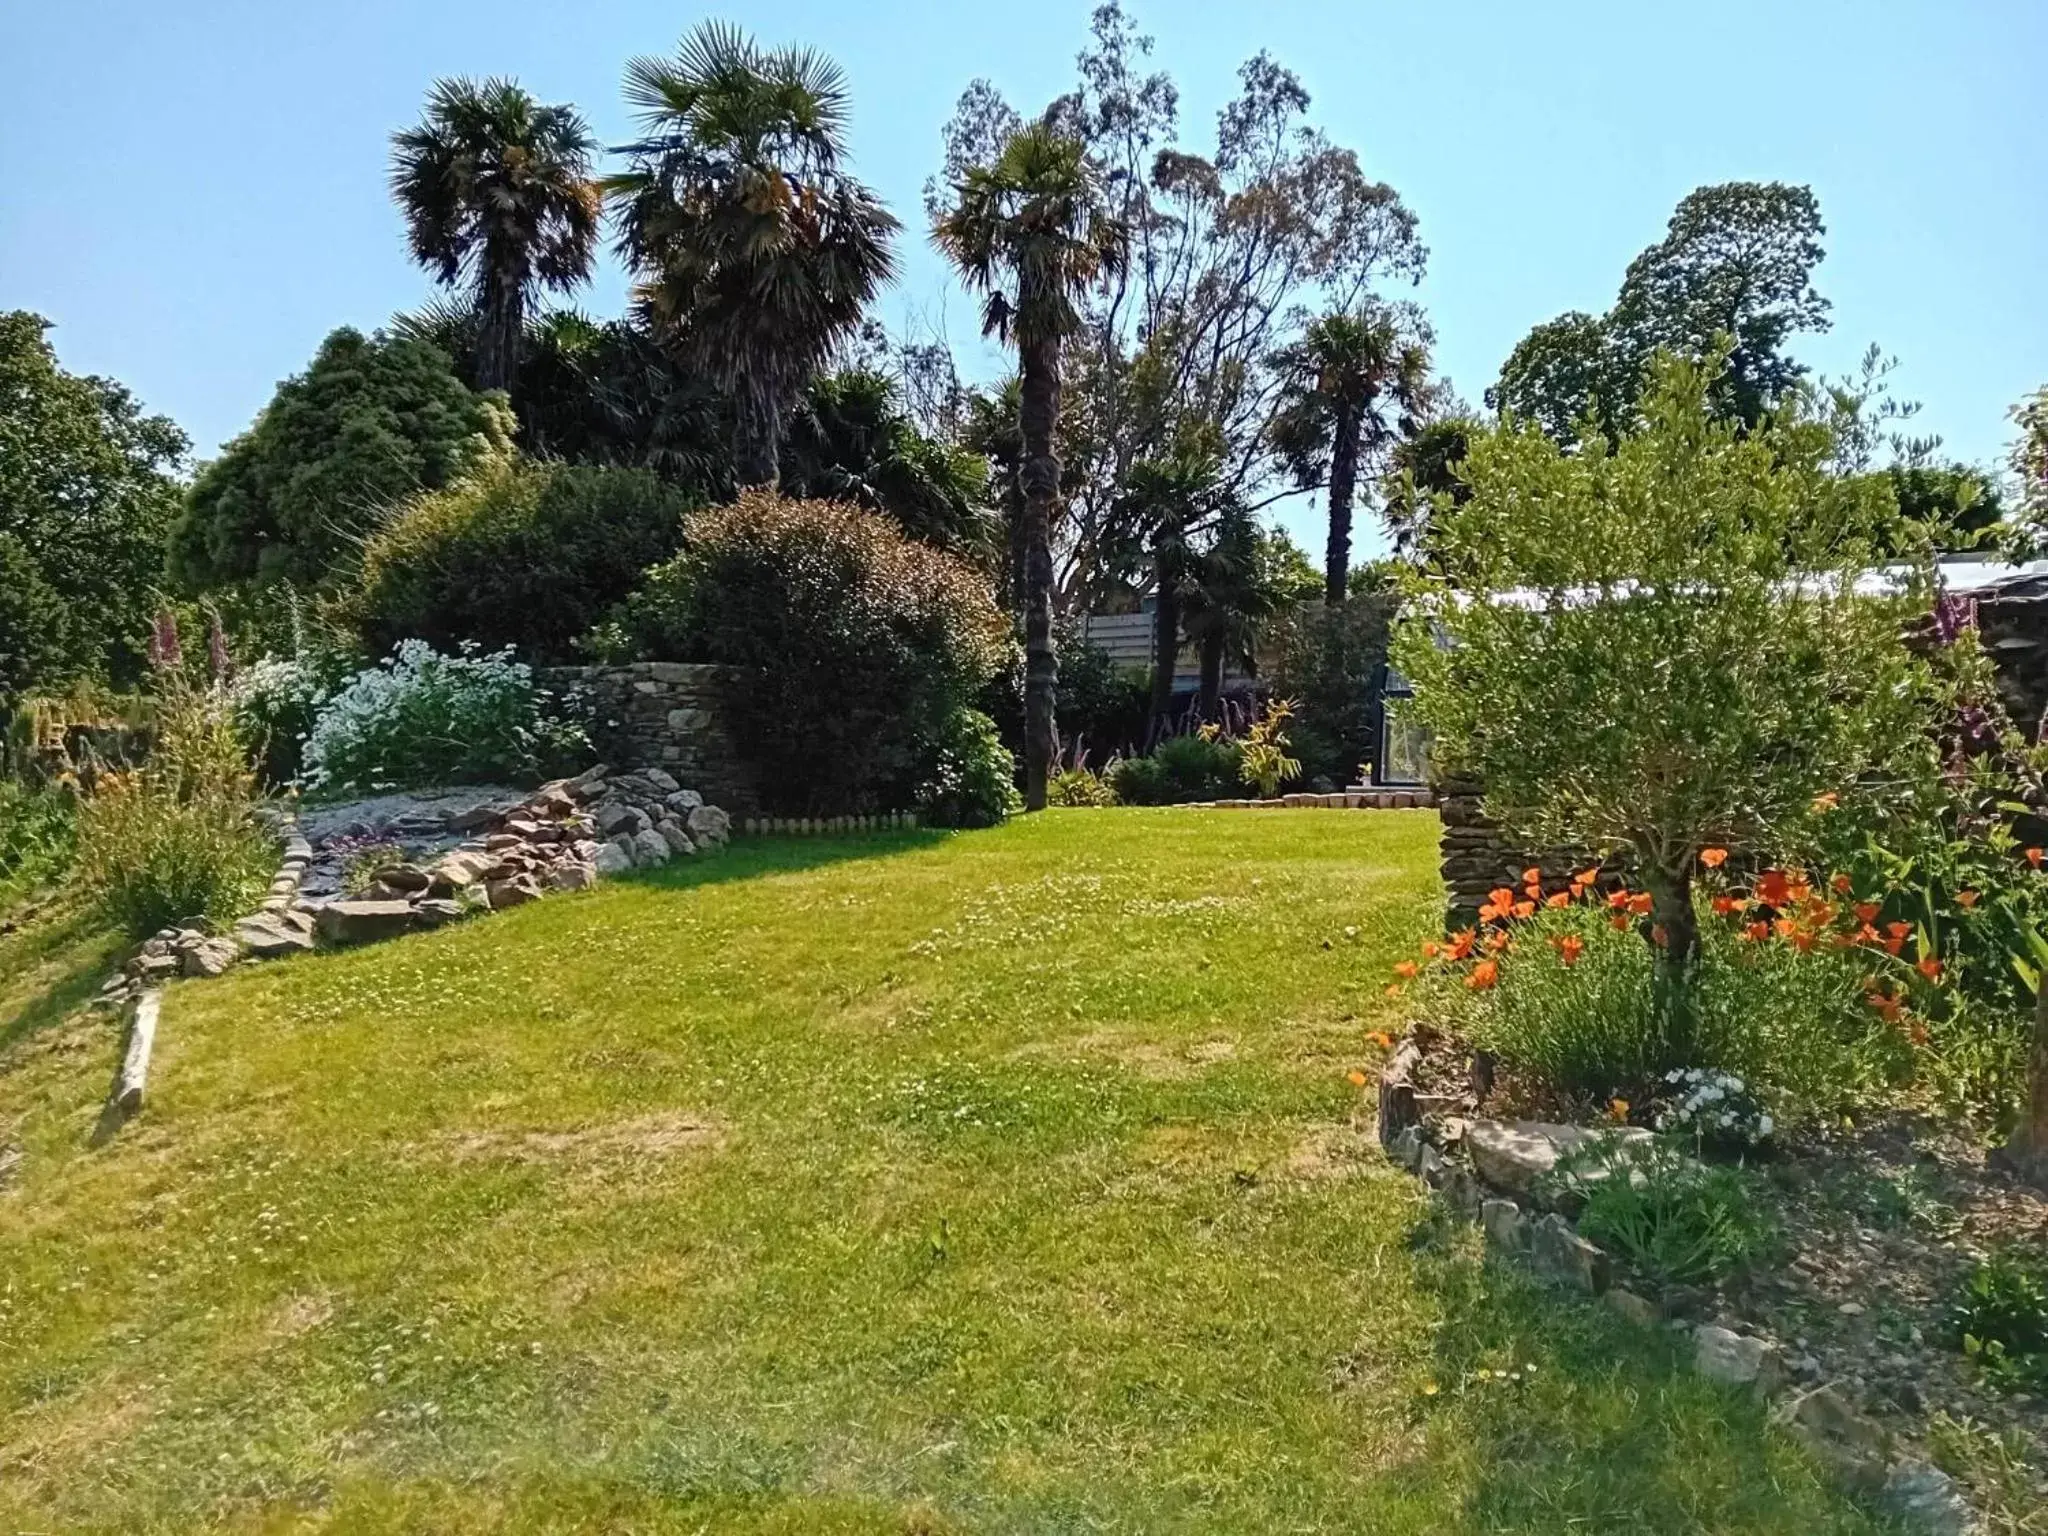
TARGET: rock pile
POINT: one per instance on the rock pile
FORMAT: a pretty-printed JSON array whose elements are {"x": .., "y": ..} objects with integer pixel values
[{"x": 451, "y": 857}]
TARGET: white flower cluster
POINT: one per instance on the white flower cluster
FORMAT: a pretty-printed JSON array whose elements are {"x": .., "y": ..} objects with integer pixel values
[
  {"x": 1715, "y": 1105},
  {"x": 418, "y": 716}
]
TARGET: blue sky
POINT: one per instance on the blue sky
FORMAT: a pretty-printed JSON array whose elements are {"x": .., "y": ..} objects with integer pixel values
[{"x": 195, "y": 192}]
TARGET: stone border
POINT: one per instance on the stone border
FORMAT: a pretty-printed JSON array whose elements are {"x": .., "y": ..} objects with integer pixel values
[
  {"x": 825, "y": 826},
  {"x": 1354, "y": 799},
  {"x": 1483, "y": 1171}
]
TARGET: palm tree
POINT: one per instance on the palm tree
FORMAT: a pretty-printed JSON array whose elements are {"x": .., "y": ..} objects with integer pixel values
[
  {"x": 1170, "y": 498},
  {"x": 1232, "y": 591},
  {"x": 1339, "y": 383},
  {"x": 496, "y": 190},
  {"x": 1032, "y": 231},
  {"x": 756, "y": 253}
]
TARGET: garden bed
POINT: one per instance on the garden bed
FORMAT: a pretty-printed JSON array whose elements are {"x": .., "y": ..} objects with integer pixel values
[{"x": 1881, "y": 1227}]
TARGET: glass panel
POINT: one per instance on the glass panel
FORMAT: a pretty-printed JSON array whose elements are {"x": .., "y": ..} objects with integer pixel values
[{"x": 1404, "y": 744}]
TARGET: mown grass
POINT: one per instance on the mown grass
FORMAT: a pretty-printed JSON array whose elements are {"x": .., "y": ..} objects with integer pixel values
[{"x": 1005, "y": 1181}]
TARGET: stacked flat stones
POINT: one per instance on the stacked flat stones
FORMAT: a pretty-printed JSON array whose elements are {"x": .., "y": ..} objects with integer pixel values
[
  {"x": 565, "y": 836},
  {"x": 487, "y": 857}
]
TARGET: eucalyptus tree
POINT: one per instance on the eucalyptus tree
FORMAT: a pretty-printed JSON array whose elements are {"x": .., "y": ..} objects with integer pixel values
[
  {"x": 756, "y": 253},
  {"x": 1031, "y": 231},
  {"x": 1354, "y": 384},
  {"x": 498, "y": 197},
  {"x": 1230, "y": 246}
]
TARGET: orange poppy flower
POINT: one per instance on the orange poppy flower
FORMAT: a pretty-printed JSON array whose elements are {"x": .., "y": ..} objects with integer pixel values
[
  {"x": 1639, "y": 904},
  {"x": 1888, "y": 1008},
  {"x": 1895, "y": 943},
  {"x": 1773, "y": 888},
  {"x": 1826, "y": 802},
  {"x": 1618, "y": 899},
  {"x": 1460, "y": 944},
  {"x": 1380, "y": 1038},
  {"x": 1532, "y": 876},
  {"x": 1820, "y": 913},
  {"x": 1866, "y": 935},
  {"x": 1484, "y": 975},
  {"x": 1355, "y": 1078},
  {"x": 1756, "y": 933},
  {"x": 1405, "y": 970},
  {"x": 1533, "y": 892},
  {"x": 1866, "y": 911},
  {"x": 1966, "y": 899},
  {"x": 1842, "y": 885},
  {"x": 1586, "y": 877},
  {"x": 1618, "y": 923},
  {"x": 1930, "y": 967},
  {"x": 1569, "y": 948},
  {"x": 1498, "y": 941},
  {"x": 1713, "y": 858},
  {"x": 1430, "y": 948},
  {"x": 1557, "y": 899},
  {"x": 1725, "y": 906},
  {"x": 1501, "y": 897},
  {"x": 1917, "y": 1032},
  {"x": 2034, "y": 857},
  {"x": 1525, "y": 909}
]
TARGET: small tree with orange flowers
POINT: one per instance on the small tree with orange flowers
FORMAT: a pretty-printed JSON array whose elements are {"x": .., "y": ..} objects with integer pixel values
[{"x": 1688, "y": 639}]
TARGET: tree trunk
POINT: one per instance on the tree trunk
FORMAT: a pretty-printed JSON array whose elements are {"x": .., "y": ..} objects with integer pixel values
[
  {"x": 501, "y": 315},
  {"x": 757, "y": 440},
  {"x": 1013, "y": 507},
  {"x": 1165, "y": 630},
  {"x": 1343, "y": 482},
  {"x": 1212, "y": 672},
  {"x": 1040, "y": 367},
  {"x": 1675, "y": 932}
]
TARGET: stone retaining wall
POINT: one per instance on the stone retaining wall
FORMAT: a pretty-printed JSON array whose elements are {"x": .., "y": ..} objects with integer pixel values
[{"x": 663, "y": 714}]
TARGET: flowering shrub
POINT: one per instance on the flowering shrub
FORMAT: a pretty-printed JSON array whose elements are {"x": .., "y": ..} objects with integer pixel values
[
  {"x": 1715, "y": 1108},
  {"x": 973, "y": 782},
  {"x": 1795, "y": 992},
  {"x": 1079, "y": 785},
  {"x": 420, "y": 718},
  {"x": 1675, "y": 1220}
]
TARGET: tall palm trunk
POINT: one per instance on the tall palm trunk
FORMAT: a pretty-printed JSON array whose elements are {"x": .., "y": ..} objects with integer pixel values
[
  {"x": 501, "y": 317},
  {"x": 1166, "y": 622},
  {"x": 1343, "y": 483},
  {"x": 1212, "y": 672},
  {"x": 1038, "y": 415},
  {"x": 757, "y": 437}
]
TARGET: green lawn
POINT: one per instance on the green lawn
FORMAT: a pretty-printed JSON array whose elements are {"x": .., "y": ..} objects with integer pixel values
[{"x": 1004, "y": 1181}]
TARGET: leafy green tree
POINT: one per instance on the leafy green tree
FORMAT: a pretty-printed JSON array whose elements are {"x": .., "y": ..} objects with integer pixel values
[
  {"x": 87, "y": 489},
  {"x": 1235, "y": 588},
  {"x": 1737, "y": 259},
  {"x": 850, "y": 440},
  {"x": 372, "y": 420},
  {"x": 498, "y": 196},
  {"x": 1352, "y": 384},
  {"x": 1424, "y": 465},
  {"x": 1031, "y": 231},
  {"x": 756, "y": 253},
  {"x": 1672, "y": 647}
]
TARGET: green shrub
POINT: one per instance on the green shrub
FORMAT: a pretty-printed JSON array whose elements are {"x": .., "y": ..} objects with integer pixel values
[
  {"x": 1572, "y": 1000},
  {"x": 1079, "y": 786},
  {"x": 1999, "y": 1318},
  {"x": 1675, "y": 1220},
  {"x": 178, "y": 839},
  {"x": 420, "y": 718},
  {"x": 1179, "y": 770},
  {"x": 853, "y": 646},
  {"x": 1329, "y": 661},
  {"x": 38, "y": 832},
  {"x": 521, "y": 554},
  {"x": 974, "y": 777}
]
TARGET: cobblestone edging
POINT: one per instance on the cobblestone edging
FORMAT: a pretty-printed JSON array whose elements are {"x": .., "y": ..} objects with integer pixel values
[
  {"x": 823, "y": 826},
  {"x": 1488, "y": 1171},
  {"x": 1348, "y": 800}
]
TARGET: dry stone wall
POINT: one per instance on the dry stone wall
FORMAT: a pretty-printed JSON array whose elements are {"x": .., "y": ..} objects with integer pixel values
[{"x": 666, "y": 715}]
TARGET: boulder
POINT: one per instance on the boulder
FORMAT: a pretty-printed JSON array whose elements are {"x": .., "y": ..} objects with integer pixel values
[
  {"x": 661, "y": 779},
  {"x": 610, "y": 859},
  {"x": 1926, "y": 1499},
  {"x": 1513, "y": 1154},
  {"x": 1559, "y": 1252},
  {"x": 362, "y": 922},
  {"x": 456, "y": 870},
  {"x": 209, "y": 957},
  {"x": 503, "y": 895},
  {"x": 1637, "y": 1309},
  {"x": 650, "y": 847},
  {"x": 673, "y": 834},
  {"x": 275, "y": 934},
  {"x": 573, "y": 875},
  {"x": 618, "y": 819},
  {"x": 438, "y": 911},
  {"x": 1737, "y": 1359},
  {"x": 586, "y": 784},
  {"x": 708, "y": 824},
  {"x": 684, "y": 800},
  {"x": 1505, "y": 1226},
  {"x": 1855, "y": 1445}
]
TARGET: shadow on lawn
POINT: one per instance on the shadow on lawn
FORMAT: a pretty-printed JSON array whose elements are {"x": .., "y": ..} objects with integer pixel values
[
  {"x": 75, "y": 950},
  {"x": 1578, "y": 1420},
  {"x": 746, "y": 858}
]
